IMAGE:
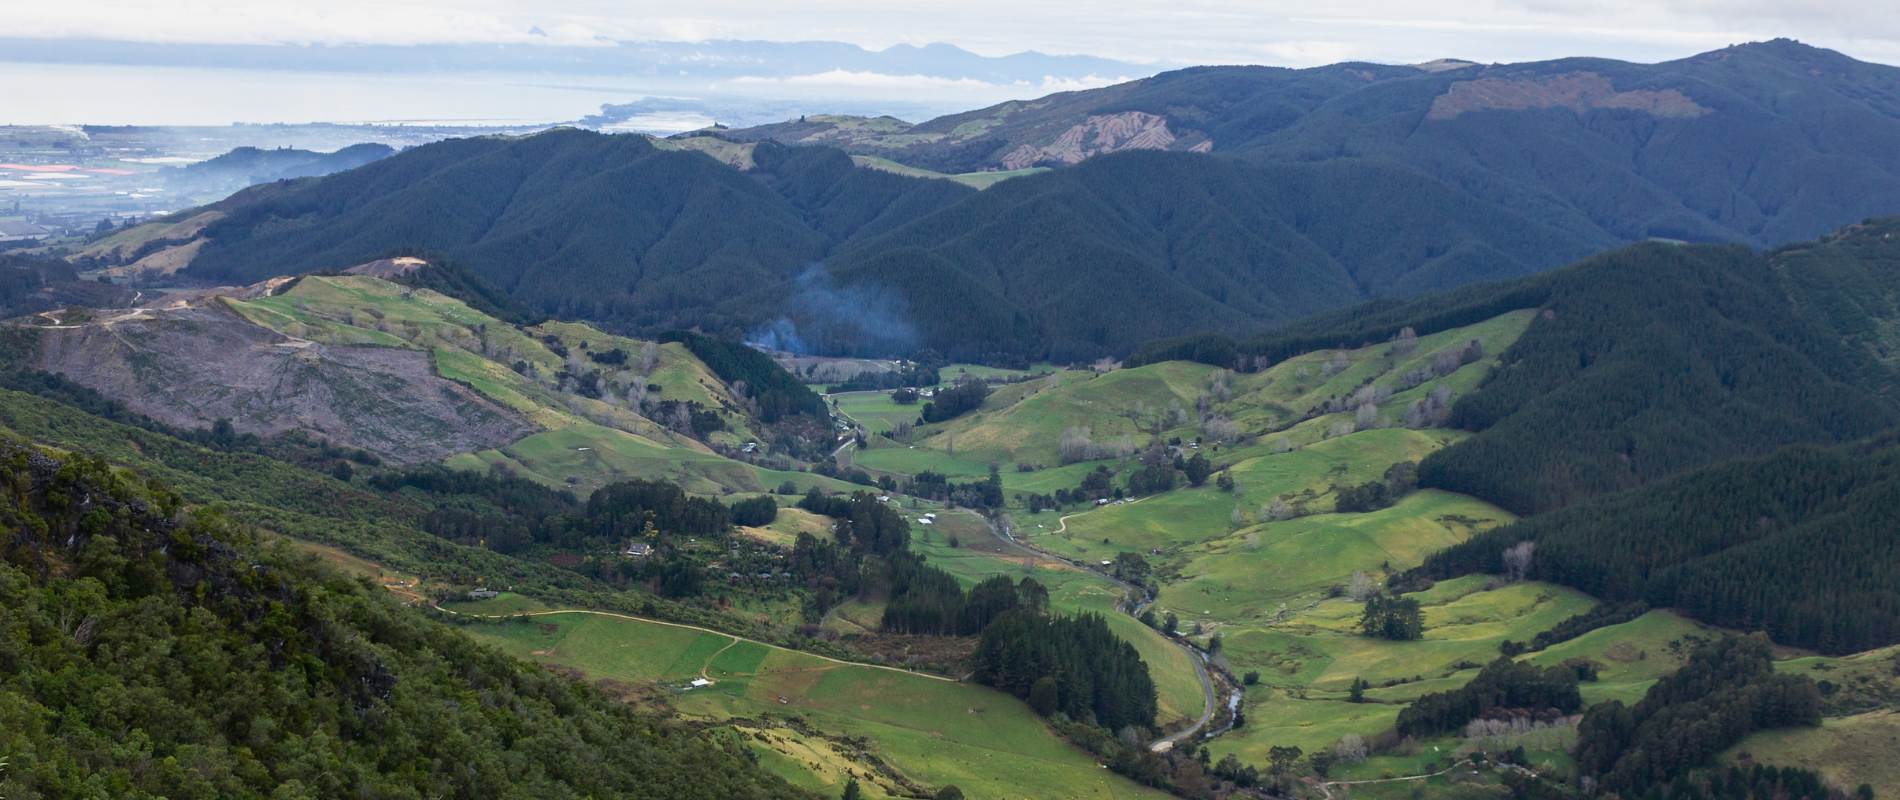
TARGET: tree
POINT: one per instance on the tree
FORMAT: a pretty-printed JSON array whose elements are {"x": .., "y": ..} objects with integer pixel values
[
  {"x": 1282, "y": 759},
  {"x": 1198, "y": 468},
  {"x": 950, "y": 792},
  {"x": 1043, "y": 696},
  {"x": 1351, "y": 748},
  {"x": 1250, "y": 678},
  {"x": 1517, "y": 560},
  {"x": 1357, "y": 694},
  {"x": 1360, "y": 587},
  {"x": 1075, "y": 445},
  {"x": 1224, "y": 481},
  {"x": 1395, "y": 618},
  {"x": 1172, "y": 623},
  {"x": 851, "y": 790},
  {"x": 1220, "y": 429},
  {"x": 1131, "y": 567}
]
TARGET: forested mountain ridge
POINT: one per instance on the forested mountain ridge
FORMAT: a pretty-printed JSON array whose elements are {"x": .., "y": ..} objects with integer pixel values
[
  {"x": 1340, "y": 184},
  {"x": 1762, "y": 143},
  {"x": 826, "y": 256},
  {"x": 182, "y": 656}
]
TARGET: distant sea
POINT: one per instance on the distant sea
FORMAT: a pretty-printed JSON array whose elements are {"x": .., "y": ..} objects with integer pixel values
[{"x": 111, "y": 94}]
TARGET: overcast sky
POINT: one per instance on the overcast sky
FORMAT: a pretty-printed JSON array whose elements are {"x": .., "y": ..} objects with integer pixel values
[{"x": 1173, "y": 32}]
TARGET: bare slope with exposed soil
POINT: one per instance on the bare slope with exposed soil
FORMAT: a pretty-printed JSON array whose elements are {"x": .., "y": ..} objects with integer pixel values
[{"x": 194, "y": 364}]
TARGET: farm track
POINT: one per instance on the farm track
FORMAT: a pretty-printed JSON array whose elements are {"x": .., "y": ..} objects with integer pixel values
[{"x": 736, "y": 639}]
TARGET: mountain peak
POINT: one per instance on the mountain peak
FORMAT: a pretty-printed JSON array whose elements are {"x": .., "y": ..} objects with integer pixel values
[{"x": 1781, "y": 48}]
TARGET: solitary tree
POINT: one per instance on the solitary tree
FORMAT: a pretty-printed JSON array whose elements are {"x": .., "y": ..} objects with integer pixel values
[
  {"x": 1351, "y": 748},
  {"x": 1517, "y": 560}
]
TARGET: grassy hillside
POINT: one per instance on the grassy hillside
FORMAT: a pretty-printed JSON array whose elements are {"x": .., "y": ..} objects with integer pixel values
[{"x": 928, "y": 731}]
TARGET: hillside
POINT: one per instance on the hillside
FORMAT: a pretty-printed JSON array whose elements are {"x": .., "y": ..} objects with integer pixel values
[
  {"x": 579, "y": 225},
  {"x": 1648, "y": 361},
  {"x": 214, "y": 178},
  {"x": 410, "y": 375},
  {"x": 810, "y": 252},
  {"x": 250, "y": 672},
  {"x": 1799, "y": 544},
  {"x": 1329, "y": 187},
  {"x": 1761, "y": 143}
]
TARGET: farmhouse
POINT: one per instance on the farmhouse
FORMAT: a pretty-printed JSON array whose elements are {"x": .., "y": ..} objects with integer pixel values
[
  {"x": 637, "y": 550},
  {"x": 483, "y": 593}
]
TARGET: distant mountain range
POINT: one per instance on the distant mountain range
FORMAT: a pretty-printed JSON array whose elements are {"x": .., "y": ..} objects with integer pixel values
[
  {"x": 715, "y": 59},
  {"x": 1309, "y": 190}
]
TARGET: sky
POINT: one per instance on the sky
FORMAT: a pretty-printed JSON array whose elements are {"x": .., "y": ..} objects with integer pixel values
[
  {"x": 1174, "y": 32},
  {"x": 1145, "y": 37}
]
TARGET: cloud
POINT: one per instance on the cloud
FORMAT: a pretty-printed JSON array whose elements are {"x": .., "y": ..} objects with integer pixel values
[{"x": 883, "y": 82}]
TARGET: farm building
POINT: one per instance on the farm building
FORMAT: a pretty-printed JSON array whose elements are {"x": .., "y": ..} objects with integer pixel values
[{"x": 638, "y": 550}]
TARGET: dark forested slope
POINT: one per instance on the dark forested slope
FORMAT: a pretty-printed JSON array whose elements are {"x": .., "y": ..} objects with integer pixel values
[
  {"x": 821, "y": 254},
  {"x": 577, "y": 224},
  {"x": 154, "y": 651},
  {"x": 1803, "y": 544}
]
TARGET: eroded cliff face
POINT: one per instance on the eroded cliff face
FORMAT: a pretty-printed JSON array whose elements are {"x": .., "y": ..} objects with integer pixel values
[
  {"x": 195, "y": 362},
  {"x": 1577, "y": 91},
  {"x": 1100, "y": 134}
]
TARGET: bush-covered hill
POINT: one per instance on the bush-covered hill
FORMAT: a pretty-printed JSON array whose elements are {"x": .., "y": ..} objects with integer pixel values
[
  {"x": 1646, "y": 362},
  {"x": 810, "y": 251},
  {"x": 156, "y": 651},
  {"x": 1761, "y": 143},
  {"x": 578, "y": 225}
]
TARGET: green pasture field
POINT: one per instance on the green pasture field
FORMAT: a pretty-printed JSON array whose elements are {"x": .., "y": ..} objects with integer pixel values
[{"x": 936, "y": 732}]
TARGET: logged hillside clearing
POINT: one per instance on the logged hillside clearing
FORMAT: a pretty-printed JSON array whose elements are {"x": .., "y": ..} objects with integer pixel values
[{"x": 411, "y": 375}]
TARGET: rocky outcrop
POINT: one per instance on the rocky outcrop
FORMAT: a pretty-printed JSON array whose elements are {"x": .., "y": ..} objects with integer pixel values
[{"x": 1577, "y": 91}]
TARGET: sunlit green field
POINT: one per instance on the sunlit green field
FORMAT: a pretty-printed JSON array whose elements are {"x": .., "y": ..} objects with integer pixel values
[
  {"x": 876, "y": 411},
  {"x": 936, "y": 732}
]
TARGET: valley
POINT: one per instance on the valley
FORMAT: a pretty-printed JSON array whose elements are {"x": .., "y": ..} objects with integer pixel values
[{"x": 1445, "y": 430}]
